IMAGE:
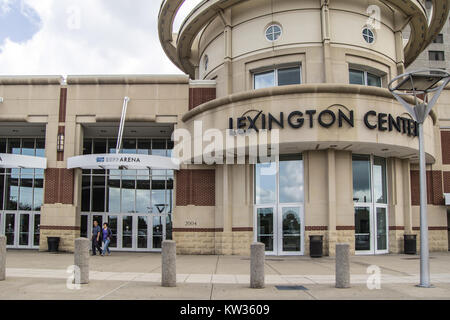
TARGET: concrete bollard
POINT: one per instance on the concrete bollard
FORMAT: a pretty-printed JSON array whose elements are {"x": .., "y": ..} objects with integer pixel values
[
  {"x": 342, "y": 265},
  {"x": 2, "y": 258},
  {"x": 258, "y": 256},
  {"x": 169, "y": 264},
  {"x": 81, "y": 260}
]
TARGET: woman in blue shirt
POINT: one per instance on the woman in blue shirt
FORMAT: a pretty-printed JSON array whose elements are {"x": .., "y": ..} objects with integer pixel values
[{"x": 107, "y": 234}]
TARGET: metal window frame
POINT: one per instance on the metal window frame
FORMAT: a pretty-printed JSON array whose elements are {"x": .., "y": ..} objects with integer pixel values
[
  {"x": 275, "y": 71},
  {"x": 373, "y": 205}
]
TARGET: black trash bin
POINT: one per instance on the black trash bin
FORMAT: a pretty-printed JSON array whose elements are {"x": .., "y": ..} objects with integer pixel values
[
  {"x": 410, "y": 244},
  {"x": 53, "y": 244},
  {"x": 316, "y": 246}
]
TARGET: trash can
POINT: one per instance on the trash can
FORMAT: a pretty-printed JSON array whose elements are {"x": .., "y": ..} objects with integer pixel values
[
  {"x": 410, "y": 244},
  {"x": 316, "y": 246},
  {"x": 53, "y": 244}
]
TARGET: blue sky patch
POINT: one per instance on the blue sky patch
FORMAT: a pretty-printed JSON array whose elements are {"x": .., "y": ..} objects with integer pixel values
[{"x": 19, "y": 22}]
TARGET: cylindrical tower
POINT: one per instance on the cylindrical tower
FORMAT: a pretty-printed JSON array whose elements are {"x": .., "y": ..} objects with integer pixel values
[{"x": 317, "y": 71}]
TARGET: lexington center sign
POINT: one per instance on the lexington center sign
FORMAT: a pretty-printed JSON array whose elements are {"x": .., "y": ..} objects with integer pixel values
[{"x": 258, "y": 120}]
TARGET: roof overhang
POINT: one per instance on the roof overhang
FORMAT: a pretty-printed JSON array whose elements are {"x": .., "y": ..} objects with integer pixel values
[
  {"x": 15, "y": 161},
  {"x": 123, "y": 161}
]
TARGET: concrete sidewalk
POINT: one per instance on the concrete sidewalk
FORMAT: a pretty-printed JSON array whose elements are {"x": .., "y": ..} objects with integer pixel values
[{"x": 33, "y": 275}]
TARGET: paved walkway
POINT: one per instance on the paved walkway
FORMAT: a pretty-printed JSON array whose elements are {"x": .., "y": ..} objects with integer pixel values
[{"x": 33, "y": 275}]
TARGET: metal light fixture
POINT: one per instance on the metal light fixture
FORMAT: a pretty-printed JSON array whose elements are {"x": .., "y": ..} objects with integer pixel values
[
  {"x": 60, "y": 143},
  {"x": 419, "y": 84}
]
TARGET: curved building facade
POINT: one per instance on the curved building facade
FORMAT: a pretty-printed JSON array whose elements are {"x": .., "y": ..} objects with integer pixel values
[{"x": 283, "y": 122}]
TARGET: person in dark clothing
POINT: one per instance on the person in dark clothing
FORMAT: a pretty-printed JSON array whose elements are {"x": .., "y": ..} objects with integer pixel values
[
  {"x": 96, "y": 239},
  {"x": 107, "y": 235}
]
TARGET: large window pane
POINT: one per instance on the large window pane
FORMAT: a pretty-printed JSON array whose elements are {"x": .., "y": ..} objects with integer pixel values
[
  {"x": 379, "y": 180},
  {"x": 159, "y": 148},
  {"x": 99, "y": 146},
  {"x": 129, "y": 146},
  {"x": 264, "y": 80},
  {"x": 40, "y": 148},
  {"x": 266, "y": 183},
  {"x": 87, "y": 147},
  {"x": 112, "y": 144},
  {"x": 28, "y": 147},
  {"x": 2, "y": 145},
  {"x": 169, "y": 195},
  {"x": 356, "y": 77},
  {"x": 291, "y": 179},
  {"x": 373, "y": 80},
  {"x": 26, "y": 193},
  {"x": 361, "y": 179},
  {"x": 158, "y": 195},
  {"x": 86, "y": 194},
  {"x": 113, "y": 194},
  {"x": 13, "y": 146},
  {"x": 128, "y": 195},
  {"x": 143, "y": 195},
  {"x": 12, "y": 192},
  {"x": 98, "y": 194},
  {"x": 289, "y": 76},
  {"x": 145, "y": 147}
]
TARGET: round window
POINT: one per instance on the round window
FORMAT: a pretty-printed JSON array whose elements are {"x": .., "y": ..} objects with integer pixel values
[
  {"x": 273, "y": 32},
  {"x": 368, "y": 35}
]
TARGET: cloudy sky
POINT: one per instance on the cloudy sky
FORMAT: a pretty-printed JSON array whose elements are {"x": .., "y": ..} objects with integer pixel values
[{"x": 61, "y": 37}]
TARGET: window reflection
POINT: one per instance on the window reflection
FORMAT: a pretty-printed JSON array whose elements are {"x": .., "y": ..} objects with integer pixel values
[
  {"x": 265, "y": 183},
  {"x": 379, "y": 180},
  {"x": 291, "y": 179},
  {"x": 361, "y": 179},
  {"x": 128, "y": 191},
  {"x": 22, "y": 189}
]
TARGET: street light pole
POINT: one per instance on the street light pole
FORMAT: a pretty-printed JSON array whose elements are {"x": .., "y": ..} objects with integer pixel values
[
  {"x": 421, "y": 82},
  {"x": 424, "y": 249}
]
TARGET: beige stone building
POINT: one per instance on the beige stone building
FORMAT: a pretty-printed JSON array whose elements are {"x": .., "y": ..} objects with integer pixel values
[{"x": 310, "y": 76}]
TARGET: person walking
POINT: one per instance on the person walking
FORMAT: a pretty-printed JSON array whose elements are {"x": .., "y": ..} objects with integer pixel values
[
  {"x": 107, "y": 235},
  {"x": 96, "y": 239}
]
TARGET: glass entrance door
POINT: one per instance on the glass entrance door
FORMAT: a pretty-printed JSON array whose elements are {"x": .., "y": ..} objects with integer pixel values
[
  {"x": 290, "y": 230},
  {"x": 22, "y": 230},
  {"x": 132, "y": 232},
  {"x": 279, "y": 212},
  {"x": 371, "y": 208}
]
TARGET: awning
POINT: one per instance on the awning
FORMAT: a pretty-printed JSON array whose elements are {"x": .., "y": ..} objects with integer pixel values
[
  {"x": 123, "y": 161},
  {"x": 16, "y": 161},
  {"x": 447, "y": 199}
]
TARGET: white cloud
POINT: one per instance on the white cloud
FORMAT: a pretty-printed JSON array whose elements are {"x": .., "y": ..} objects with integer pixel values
[{"x": 90, "y": 37}]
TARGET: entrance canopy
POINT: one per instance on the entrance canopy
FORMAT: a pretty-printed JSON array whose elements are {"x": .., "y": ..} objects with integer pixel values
[
  {"x": 447, "y": 199},
  {"x": 16, "y": 161},
  {"x": 123, "y": 161}
]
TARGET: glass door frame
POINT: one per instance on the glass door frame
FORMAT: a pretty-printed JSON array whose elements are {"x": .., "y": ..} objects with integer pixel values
[
  {"x": 120, "y": 216},
  {"x": 373, "y": 214},
  {"x": 280, "y": 236},
  {"x": 278, "y": 218},
  {"x": 31, "y": 228}
]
